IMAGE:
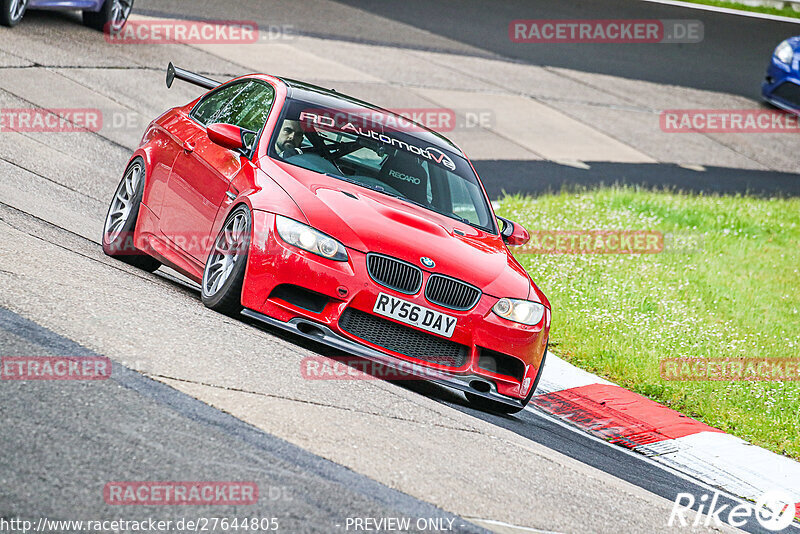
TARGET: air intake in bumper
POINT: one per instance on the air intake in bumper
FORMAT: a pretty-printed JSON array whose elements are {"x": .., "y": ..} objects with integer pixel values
[
  {"x": 789, "y": 92},
  {"x": 403, "y": 339}
]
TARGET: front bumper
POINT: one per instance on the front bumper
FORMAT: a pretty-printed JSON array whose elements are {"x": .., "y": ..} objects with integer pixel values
[
  {"x": 347, "y": 285},
  {"x": 322, "y": 334},
  {"x": 781, "y": 86}
]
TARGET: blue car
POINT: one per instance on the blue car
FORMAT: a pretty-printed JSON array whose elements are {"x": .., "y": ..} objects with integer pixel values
[
  {"x": 781, "y": 87},
  {"x": 97, "y": 14}
]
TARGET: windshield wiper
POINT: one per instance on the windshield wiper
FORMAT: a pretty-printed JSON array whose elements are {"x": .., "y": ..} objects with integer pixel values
[{"x": 411, "y": 201}]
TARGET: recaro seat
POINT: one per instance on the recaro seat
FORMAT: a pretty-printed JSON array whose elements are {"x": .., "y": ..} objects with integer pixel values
[{"x": 404, "y": 173}]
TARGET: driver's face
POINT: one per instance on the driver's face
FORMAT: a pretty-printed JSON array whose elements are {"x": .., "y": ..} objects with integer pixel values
[{"x": 290, "y": 136}]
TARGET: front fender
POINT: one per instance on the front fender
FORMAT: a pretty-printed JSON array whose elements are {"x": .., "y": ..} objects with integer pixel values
[{"x": 262, "y": 193}]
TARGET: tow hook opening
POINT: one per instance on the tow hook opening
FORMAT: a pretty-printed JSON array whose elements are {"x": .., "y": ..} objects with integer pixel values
[
  {"x": 310, "y": 329},
  {"x": 480, "y": 385}
]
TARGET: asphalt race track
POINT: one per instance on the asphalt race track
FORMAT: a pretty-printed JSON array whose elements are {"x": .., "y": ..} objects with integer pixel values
[
  {"x": 722, "y": 62},
  {"x": 198, "y": 396},
  {"x": 136, "y": 429}
]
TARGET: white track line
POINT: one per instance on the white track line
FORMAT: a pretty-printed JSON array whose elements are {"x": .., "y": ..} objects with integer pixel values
[
  {"x": 508, "y": 526},
  {"x": 726, "y": 10},
  {"x": 697, "y": 482},
  {"x": 715, "y": 461}
]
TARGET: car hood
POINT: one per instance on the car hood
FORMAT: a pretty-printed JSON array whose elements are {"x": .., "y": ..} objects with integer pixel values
[{"x": 369, "y": 221}]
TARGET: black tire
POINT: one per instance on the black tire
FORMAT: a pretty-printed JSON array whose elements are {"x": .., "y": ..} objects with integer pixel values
[
  {"x": 226, "y": 296},
  {"x": 488, "y": 405},
  {"x": 100, "y": 20},
  {"x": 11, "y": 12},
  {"x": 118, "y": 241}
]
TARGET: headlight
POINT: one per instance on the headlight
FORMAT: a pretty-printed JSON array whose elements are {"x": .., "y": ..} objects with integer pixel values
[
  {"x": 784, "y": 52},
  {"x": 303, "y": 236},
  {"x": 519, "y": 311}
]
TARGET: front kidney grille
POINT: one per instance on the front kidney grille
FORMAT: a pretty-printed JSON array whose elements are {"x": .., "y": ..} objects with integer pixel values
[
  {"x": 394, "y": 274},
  {"x": 403, "y": 339},
  {"x": 451, "y": 293}
]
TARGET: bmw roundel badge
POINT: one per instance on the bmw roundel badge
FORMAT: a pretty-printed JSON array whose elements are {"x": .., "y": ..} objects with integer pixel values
[{"x": 427, "y": 262}]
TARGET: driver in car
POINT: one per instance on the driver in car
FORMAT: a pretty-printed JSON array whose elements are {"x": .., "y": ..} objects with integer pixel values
[{"x": 290, "y": 137}]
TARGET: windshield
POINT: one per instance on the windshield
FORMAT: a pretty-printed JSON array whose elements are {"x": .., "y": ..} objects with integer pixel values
[{"x": 378, "y": 151}]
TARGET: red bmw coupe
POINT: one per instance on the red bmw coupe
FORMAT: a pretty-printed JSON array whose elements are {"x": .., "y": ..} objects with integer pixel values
[{"x": 338, "y": 221}]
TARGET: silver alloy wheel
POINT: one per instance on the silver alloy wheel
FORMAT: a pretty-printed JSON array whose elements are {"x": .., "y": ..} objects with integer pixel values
[
  {"x": 16, "y": 8},
  {"x": 120, "y": 10},
  {"x": 228, "y": 249},
  {"x": 123, "y": 202}
]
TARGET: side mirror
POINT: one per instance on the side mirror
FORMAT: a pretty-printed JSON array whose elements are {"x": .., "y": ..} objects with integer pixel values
[
  {"x": 227, "y": 135},
  {"x": 513, "y": 234}
]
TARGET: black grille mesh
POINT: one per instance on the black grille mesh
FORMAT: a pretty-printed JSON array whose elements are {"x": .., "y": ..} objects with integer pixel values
[
  {"x": 789, "y": 92},
  {"x": 451, "y": 293},
  {"x": 403, "y": 339},
  {"x": 394, "y": 274}
]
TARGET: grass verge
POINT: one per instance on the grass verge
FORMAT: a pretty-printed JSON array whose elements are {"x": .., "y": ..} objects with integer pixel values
[{"x": 726, "y": 285}]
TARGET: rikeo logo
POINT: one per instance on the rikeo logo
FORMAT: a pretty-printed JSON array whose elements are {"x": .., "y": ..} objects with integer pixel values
[{"x": 774, "y": 510}]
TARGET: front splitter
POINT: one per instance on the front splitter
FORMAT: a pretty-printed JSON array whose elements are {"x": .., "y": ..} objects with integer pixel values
[{"x": 322, "y": 334}]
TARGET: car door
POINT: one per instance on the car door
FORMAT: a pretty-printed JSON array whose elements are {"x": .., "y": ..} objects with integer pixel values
[{"x": 202, "y": 173}]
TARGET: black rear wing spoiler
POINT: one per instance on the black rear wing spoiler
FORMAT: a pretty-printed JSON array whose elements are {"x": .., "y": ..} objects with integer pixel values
[{"x": 196, "y": 79}]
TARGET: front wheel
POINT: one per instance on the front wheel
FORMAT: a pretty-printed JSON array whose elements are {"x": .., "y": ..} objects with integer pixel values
[
  {"x": 11, "y": 11},
  {"x": 223, "y": 276},
  {"x": 111, "y": 17}
]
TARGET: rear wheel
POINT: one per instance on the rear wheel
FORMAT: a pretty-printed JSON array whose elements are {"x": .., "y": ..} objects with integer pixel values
[
  {"x": 11, "y": 11},
  {"x": 112, "y": 16},
  {"x": 488, "y": 405},
  {"x": 121, "y": 219},
  {"x": 223, "y": 276}
]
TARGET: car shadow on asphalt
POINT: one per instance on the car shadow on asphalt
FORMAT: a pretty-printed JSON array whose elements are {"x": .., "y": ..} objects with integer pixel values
[
  {"x": 53, "y": 18},
  {"x": 369, "y": 370},
  {"x": 364, "y": 369}
]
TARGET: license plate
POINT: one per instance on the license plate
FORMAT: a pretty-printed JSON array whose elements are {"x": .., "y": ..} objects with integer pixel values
[{"x": 415, "y": 315}]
